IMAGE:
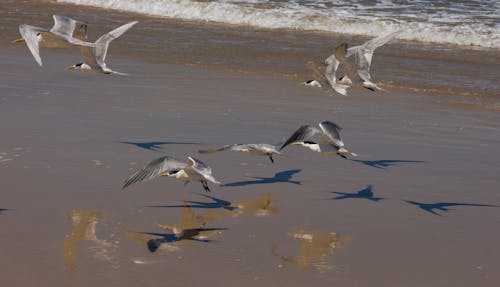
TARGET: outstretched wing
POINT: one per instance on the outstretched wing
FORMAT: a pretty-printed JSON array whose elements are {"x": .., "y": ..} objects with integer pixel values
[
  {"x": 63, "y": 26},
  {"x": 332, "y": 64},
  {"x": 364, "y": 53},
  {"x": 30, "y": 36},
  {"x": 201, "y": 168},
  {"x": 303, "y": 133},
  {"x": 347, "y": 66},
  {"x": 381, "y": 40},
  {"x": 101, "y": 48},
  {"x": 318, "y": 75},
  {"x": 332, "y": 131},
  {"x": 155, "y": 168}
]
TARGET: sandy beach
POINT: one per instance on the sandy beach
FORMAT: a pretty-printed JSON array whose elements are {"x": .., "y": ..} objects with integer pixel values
[{"x": 419, "y": 206}]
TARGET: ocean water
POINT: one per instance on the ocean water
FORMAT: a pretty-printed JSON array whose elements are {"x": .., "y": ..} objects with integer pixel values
[{"x": 466, "y": 23}]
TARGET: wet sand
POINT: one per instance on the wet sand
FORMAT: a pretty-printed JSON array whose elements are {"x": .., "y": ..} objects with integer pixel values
[{"x": 69, "y": 139}]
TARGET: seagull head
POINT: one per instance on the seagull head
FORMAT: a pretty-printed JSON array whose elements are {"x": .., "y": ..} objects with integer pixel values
[
  {"x": 75, "y": 66},
  {"x": 311, "y": 83}
]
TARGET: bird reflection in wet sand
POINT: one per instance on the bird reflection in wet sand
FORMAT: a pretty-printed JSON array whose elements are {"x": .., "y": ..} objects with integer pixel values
[
  {"x": 213, "y": 204},
  {"x": 314, "y": 249},
  {"x": 264, "y": 205},
  {"x": 178, "y": 235},
  {"x": 84, "y": 229},
  {"x": 366, "y": 193},
  {"x": 444, "y": 206}
]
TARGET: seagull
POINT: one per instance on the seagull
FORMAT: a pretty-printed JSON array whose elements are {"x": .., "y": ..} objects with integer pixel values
[
  {"x": 93, "y": 57},
  {"x": 355, "y": 79},
  {"x": 363, "y": 55},
  {"x": 65, "y": 33},
  {"x": 330, "y": 140},
  {"x": 326, "y": 80},
  {"x": 252, "y": 149},
  {"x": 192, "y": 170}
]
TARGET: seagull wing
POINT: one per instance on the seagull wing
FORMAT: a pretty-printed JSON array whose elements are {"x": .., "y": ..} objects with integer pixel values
[
  {"x": 332, "y": 131},
  {"x": 101, "y": 48},
  {"x": 303, "y": 133},
  {"x": 347, "y": 66},
  {"x": 155, "y": 168},
  {"x": 317, "y": 74},
  {"x": 89, "y": 57},
  {"x": 364, "y": 55},
  {"x": 30, "y": 36},
  {"x": 332, "y": 64},
  {"x": 381, "y": 40},
  {"x": 352, "y": 50},
  {"x": 64, "y": 27},
  {"x": 201, "y": 168}
]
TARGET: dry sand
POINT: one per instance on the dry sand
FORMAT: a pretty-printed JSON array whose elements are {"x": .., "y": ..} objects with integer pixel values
[{"x": 67, "y": 145}]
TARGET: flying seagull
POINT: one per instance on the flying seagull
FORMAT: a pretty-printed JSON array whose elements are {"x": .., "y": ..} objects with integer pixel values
[
  {"x": 329, "y": 139},
  {"x": 93, "y": 57},
  {"x": 363, "y": 55},
  {"x": 65, "y": 33},
  {"x": 327, "y": 80},
  {"x": 192, "y": 170},
  {"x": 252, "y": 149}
]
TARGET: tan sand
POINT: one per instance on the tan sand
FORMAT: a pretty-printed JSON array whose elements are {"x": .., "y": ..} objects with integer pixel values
[{"x": 306, "y": 220}]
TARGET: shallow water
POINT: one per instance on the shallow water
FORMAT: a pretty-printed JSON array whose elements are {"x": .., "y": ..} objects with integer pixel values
[{"x": 465, "y": 22}]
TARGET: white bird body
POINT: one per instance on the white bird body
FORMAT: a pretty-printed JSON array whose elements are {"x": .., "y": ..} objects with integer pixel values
[
  {"x": 326, "y": 80},
  {"x": 66, "y": 32},
  {"x": 329, "y": 139},
  {"x": 94, "y": 57},
  {"x": 192, "y": 170}
]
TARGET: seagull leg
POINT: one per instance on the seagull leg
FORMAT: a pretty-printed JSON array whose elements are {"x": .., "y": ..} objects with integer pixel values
[
  {"x": 271, "y": 158},
  {"x": 341, "y": 155},
  {"x": 205, "y": 186}
]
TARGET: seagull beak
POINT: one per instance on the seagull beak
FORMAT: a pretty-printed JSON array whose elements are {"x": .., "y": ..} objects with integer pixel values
[
  {"x": 71, "y": 67},
  {"x": 297, "y": 143},
  {"x": 165, "y": 174},
  {"x": 18, "y": 40},
  {"x": 303, "y": 84}
]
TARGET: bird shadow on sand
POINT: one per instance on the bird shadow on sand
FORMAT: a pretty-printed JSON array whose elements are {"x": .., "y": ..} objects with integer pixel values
[
  {"x": 213, "y": 204},
  {"x": 365, "y": 193},
  {"x": 444, "y": 206},
  {"x": 187, "y": 234},
  {"x": 3, "y": 209},
  {"x": 384, "y": 163},
  {"x": 156, "y": 145},
  {"x": 282, "y": 176}
]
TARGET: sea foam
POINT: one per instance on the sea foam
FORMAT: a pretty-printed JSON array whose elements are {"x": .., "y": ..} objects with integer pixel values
[{"x": 434, "y": 28}]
